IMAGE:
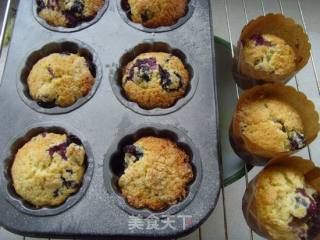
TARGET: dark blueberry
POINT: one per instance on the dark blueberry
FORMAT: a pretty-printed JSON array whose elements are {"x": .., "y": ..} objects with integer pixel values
[
  {"x": 61, "y": 149},
  {"x": 53, "y": 4},
  {"x": 68, "y": 183},
  {"x": 260, "y": 40},
  {"x": 166, "y": 80},
  {"x": 51, "y": 72},
  {"x": 41, "y": 5},
  {"x": 72, "y": 19},
  {"x": 77, "y": 7},
  {"x": 145, "y": 16},
  {"x": 133, "y": 150},
  {"x": 69, "y": 171},
  {"x": 56, "y": 193},
  {"x": 297, "y": 140},
  {"x": 144, "y": 66},
  {"x": 151, "y": 62},
  {"x": 165, "y": 77}
]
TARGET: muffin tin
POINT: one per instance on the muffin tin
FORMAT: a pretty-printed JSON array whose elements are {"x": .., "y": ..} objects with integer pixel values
[{"x": 104, "y": 121}]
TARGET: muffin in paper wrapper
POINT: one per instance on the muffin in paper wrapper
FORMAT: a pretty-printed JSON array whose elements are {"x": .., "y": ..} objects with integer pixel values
[
  {"x": 278, "y": 25},
  {"x": 311, "y": 175},
  {"x": 250, "y": 151}
]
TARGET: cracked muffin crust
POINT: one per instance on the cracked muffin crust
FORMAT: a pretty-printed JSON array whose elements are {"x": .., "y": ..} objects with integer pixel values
[
  {"x": 270, "y": 54},
  {"x": 157, "y": 174},
  {"x": 155, "y": 79},
  {"x": 272, "y": 124},
  {"x": 60, "y": 79},
  {"x": 48, "y": 169},
  {"x": 157, "y": 13},
  {"x": 286, "y": 205},
  {"x": 68, "y": 13}
]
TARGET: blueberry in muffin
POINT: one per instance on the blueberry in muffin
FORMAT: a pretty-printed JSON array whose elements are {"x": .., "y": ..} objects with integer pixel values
[
  {"x": 60, "y": 79},
  {"x": 48, "y": 169},
  {"x": 157, "y": 173},
  {"x": 155, "y": 79},
  {"x": 156, "y": 13},
  {"x": 272, "y": 124},
  {"x": 286, "y": 205},
  {"x": 270, "y": 54},
  {"x": 68, "y": 13}
]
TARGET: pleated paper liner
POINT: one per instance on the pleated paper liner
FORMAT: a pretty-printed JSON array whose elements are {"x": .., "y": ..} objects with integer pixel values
[
  {"x": 306, "y": 167},
  {"x": 251, "y": 152},
  {"x": 283, "y": 27}
]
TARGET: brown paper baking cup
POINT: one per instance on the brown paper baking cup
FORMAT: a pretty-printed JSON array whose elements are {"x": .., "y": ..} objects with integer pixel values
[
  {"x": 249, "y": 201},
  {"x": 250, "y": 151},
  {"x": 283, "y": 27}
]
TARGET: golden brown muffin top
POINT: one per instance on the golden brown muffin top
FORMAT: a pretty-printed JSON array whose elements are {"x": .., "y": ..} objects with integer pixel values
[
  {"x": 269, "y": 53},
  {"x": 283, "y": 199},
  {"x": 60, "y": 78},
  {"x": 272, "y": 124},
  {"x": 47, "y": 169},
  {"x": 156, "y": 13},
  {"x": 155, "y": 79},
  {"x": 68, "y": 13},
  {"x": 157, "y": 175}
]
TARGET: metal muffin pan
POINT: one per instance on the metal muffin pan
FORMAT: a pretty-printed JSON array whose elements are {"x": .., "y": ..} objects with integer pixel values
[
  {"x": 17, "y": 142},
  {"x": 124, "y": 11},
  {"x": 151, "y": 46},
  {"x": 58, "y": 46},
  {"x": 79, "y": 27},
  {"x": 104, "y": 119},
  {"x": 114, "y": 165}
]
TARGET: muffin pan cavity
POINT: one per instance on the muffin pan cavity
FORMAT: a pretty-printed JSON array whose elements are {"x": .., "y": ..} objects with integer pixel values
[
  {"x": 116, "y": 79},
  {"x": 64, "y": 47},
  {"x": 9, "y": 154},
  {"x": 114, "y": 165},
  {"x": 124, "y": 11},
  {"x": 80, "y": 26}
]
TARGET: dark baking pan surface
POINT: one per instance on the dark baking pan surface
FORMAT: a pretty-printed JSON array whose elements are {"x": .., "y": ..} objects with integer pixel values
[{"x": 103, "y": 120}]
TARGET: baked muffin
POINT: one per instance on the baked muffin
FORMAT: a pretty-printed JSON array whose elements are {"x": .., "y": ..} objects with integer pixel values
[
  {"x": 157, "y": 173},
  {"x": 156, "y": 13},
  {"x": 48, "y": 169},
  {"x": 271, "y": 49},
  {"x": 155, "y": 79},
  {"x": 272, "y": 124},
  {"x": 68, "y": 13},
  {"x": 270, "y": 54},
  {"x": 286, "y": 205},
  {"x": 60, "y": 79}
]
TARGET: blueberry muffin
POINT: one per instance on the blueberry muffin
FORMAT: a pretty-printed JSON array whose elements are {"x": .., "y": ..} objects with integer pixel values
[
  {"x": 272, "y": 124},
  {"x": 286, "y": 205},
  {"x": 48, "y": 169},
  {"x": 157, "y": 174},
  {"x": 68, "y": 13},
  {"x": 60, "y": 79},
  {"x": 271, "y": 49},
  {"x": 155, "y": 80},
  {"x": 156, "y": 13},
  {"x": 270, "y": 54}
]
